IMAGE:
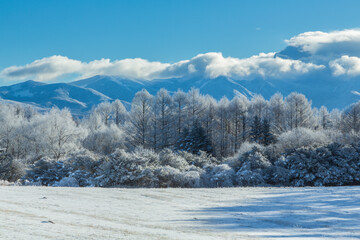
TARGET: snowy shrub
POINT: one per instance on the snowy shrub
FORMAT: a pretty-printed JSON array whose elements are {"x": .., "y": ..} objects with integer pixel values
[
  {"x": 199, "y": 160},
  {"x": 253, "y": 159},
  {"x": 249, "y": 178},
  {"x": 83, "y": 178},
  {"x": 251, "y": 167},
  {"x": 168, "y": 177},
  {"x": 219, "y": 176},
  {"x": 169, "y": 158},
  {"x": 47, "y": 171},
  {"x": 66, "y": 182},
  {"x": 130, "y": 169},
  {"x": 277, "y": 174},
  {"x": 301, "y": 137},
  {"x": 145, "y": 168},
  {"x": 84, "y": 161},
  {"x": 10, "y": 169},
  {"x": 332, "y": 165},
  {"x": 191, "y": 179}
]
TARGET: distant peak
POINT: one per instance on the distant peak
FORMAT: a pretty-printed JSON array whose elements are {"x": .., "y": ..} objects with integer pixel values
[{"x": 29, "y": 83}]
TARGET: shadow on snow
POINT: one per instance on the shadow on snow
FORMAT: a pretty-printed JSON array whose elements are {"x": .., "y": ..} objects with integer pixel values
[{"x": 302, "y": 213}]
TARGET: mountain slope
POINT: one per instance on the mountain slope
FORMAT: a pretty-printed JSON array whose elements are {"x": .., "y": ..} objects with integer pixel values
[
  {"x": 77, "y": 99},
  {"x": 322, "y": 89},
  {"x": 113, "y": 87},
  {"x": 80, "y": 96}
]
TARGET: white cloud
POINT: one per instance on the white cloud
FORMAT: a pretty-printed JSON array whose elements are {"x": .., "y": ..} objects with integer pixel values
[
  {"x": 43, "y": 69},
  {"x": 53, "y": 67},
  {"x": 207, "y": 65},
  {"x": 340, "y": 50},
  {"x": 264, "y": 65},
  {"x": 335, "y": 42},
  {"x": 135, "y": 68},
  {"x": 213, "y": 65},
  {"x": 345, "y": 65}
]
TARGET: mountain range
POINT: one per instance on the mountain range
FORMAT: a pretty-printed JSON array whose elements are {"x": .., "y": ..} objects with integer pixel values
[
  {"x": 328, "y": 78},
  {"x": 80, "y": 96}
]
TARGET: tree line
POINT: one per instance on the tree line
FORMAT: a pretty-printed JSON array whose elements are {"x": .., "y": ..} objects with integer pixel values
[{"x": 181, "y": 121}]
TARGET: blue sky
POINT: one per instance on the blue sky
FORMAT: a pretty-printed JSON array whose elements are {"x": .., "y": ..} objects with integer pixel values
[{"x": 166, "y": 31}]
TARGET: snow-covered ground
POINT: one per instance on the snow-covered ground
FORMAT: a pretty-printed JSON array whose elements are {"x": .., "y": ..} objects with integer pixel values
[{"x": 227, "y": 213}]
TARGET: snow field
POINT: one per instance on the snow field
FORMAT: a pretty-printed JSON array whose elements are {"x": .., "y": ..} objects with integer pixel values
[{"x": 222, "y": 213}]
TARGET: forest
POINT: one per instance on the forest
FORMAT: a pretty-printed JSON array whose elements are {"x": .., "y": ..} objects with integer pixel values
[{"x": 182, "y": 139}]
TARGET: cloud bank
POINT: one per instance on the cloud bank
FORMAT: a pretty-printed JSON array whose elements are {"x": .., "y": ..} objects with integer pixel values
[
  {"x": 337, "y": 52},
  {"x": 210, "y": 65},
  {"x": 315, "y": 42}
]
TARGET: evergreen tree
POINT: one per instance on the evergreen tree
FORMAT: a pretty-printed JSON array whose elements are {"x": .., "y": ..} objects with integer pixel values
[
  {"x": 194, "y": 140},
  {"x": 267, "y": 136},
  {"x": 256, "y": 129}
]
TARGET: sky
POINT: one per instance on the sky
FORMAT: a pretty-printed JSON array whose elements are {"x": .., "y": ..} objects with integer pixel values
[{"x": 167, "y": 31}]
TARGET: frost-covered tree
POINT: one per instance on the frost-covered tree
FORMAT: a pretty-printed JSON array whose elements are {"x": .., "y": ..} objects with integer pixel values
[
  {"x": 119, "y": 112},
  {"x": 58, "y": 133},
  {"x": 324, "y": 118},
  {"x": 104, "y": 110},
  {"x": 209, "y": 118},
  {"x": 195, "y": 106},
  {"x": 278, "y": 110},
  {"x": 238, "y": 110},
  {"x": 139, "y": 128},
  {"x": 223, "y": 127},
  {"x": 105, "y": 139},
  {"x": 259, "y": 107},
  {"x": 164, "y": 119},
  {"x": 351, "y": 118},
  {"x": 180, "y": 102},
  {"x": 299, "y": 111},
  {"x": 335, "y": 118},
  {"x": 10, "y": 120}
]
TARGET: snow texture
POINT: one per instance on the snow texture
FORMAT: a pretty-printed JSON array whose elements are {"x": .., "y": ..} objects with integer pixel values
[{"x": 223, "y": 213}]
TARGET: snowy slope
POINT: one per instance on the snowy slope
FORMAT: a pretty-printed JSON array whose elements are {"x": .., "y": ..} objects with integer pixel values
[
  {"x": 113, "y": 87},
  {"x": 322, "y": 89},
  {"x": 62, "y": 95},
  {"x": 80, "y": 96},
  {"x": 125, "y": 89},
  {"x": 227, "y": 213}
]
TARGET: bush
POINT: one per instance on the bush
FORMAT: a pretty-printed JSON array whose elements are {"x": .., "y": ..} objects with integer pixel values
[
  {"x": 145, "y": 168},
  {"x": 331, "y": 165},
  {"x": 249, "y": 178},
  {"x": 47, "y": 171},
  {"x": 219, "y": 176},
  {"x": 10, "y": 169},
  {"x": 301, "y": 137},
  {"x": 67, "y": 182}
]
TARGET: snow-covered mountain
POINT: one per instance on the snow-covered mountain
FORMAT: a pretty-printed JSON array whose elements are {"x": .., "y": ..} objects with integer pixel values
[
  {"x": 77, "y": 99},
  {"x": 323, "y": 66},
  {"x": 80, "y": 96},
  {"x": 125, "y": 89},
  {"x": 322, "y": 89}
]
